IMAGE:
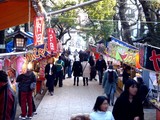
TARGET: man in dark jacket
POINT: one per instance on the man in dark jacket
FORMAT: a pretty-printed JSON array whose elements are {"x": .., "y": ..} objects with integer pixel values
[
  {"x": 50, "y": 75},
  {"x": 100, "y": 67},
  {"x": 7, "y": 99},
  {"x": 25, "y": 79}
]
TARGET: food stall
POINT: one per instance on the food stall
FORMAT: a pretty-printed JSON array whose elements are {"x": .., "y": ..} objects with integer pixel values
[
  {"x": 125, "y": 53},
  {"x": 150, "y": 60}
]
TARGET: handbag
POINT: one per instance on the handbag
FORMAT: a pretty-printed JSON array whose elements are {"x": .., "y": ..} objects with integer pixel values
[
  {"x": 84, "y": 68},
  {"x": 33, "y": 85}
]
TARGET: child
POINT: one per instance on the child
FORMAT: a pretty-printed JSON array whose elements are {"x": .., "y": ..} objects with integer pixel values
[{"x": 101, "y": 110}]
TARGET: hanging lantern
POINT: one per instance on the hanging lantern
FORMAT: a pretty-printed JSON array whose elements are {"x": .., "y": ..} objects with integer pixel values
[{"x": 19, "y": 43}]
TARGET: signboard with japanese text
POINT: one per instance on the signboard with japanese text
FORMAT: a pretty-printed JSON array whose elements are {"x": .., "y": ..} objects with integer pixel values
[
  {"x": 151, "y": 58},
  {"x": 38, "y": 30},
  {"x": 38, "y": 53},
  {"x": 123, "y": 52},
  {"x": 52, "y": 41}
]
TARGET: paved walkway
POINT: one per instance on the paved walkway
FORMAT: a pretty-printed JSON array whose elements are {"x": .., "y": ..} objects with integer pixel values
[{"x": 69, "y": 100}]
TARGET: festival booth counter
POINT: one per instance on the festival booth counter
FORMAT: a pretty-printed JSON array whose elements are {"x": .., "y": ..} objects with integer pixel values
[
  {"x": 12, "y": 63},
  {"x": 126, "y": 54},
  {"x": 150, "y": 60}
]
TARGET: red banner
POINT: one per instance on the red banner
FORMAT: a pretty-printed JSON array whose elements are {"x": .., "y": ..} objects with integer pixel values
[
  {"x": 52, "y": 42},
  {"x": 38, "y": 30}
]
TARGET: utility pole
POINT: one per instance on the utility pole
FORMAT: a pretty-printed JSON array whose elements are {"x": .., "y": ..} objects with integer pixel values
[{"x": 73, "y": 7}]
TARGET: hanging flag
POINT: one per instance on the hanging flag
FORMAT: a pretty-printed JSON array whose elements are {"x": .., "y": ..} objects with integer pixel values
[
  {"x": 38, "y": 30},
  {"x": 52, "y": 41}
]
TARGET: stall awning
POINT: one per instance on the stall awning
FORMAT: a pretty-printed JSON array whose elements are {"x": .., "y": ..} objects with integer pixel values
[
  {"x": 123, "y": 52},
  {"x": 15, "y": 12}
]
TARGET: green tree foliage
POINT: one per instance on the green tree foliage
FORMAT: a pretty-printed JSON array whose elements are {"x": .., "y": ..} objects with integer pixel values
[
  {"x": 100, "y": 15},
  {"x": 98, "y": 27},
  {"x": 63, "y": 22}
]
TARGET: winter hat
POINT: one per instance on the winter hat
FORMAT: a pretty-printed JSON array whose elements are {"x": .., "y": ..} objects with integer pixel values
[{"x": 129, "y": 83}]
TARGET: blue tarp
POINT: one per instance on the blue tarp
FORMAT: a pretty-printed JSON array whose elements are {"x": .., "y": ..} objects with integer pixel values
[{"x": 123, "y": 43}]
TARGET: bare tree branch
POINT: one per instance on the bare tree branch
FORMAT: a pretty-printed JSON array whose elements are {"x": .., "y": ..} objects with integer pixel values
[{"x": 68, "y": 38}]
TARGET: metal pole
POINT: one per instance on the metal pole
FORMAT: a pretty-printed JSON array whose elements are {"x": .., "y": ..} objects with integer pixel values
[{"x": 73, "y": 7}]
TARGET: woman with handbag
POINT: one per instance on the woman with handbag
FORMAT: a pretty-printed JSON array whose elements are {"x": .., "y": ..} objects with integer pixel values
[
  {"x": 25, "y": 79},
  {"x": 86, "y": 71}
]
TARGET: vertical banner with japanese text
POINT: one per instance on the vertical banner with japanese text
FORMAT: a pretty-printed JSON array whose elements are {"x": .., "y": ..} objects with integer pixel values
[
  {"x": 38, "y": 30},
  {"x": 52, "y": 41}
]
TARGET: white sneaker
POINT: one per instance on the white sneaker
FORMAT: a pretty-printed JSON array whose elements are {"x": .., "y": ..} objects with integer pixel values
[
  {"x": 20, "y": 117},
  {"x": 29, "y": 117},
  {"x": 23, "y": 118}
]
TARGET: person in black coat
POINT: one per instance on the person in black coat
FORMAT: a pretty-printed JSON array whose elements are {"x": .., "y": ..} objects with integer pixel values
[
  {"x": 128, "y": 106},
  {"x": 50, "y": 75},
  {"x": 100, "y": 67},
  {"x": 126, "y": 74},
  {"x": 93, "y": 69},
  {"x": 77, "y": 71},
  {"x": 143, "y": 90}
]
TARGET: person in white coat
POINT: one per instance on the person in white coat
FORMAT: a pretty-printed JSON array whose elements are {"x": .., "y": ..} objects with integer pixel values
[
  {"x": 100, "y": 110},
  {"x": 86, "y": 68}
]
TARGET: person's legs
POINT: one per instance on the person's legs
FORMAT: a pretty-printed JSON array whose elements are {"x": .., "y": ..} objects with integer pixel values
[
  {"x": 23, "y": 103},
  {"x": 19, "y": 97},
  {"x": 69, "y": 72},
  {"x": 33, "y": 105},
  {"x": 77, "y": 81},
  {"x": 100, "y": 77},
  {"x": 94, "y": 73},
  {"x": 74, "y": 80},
  {"x": 56, "y": 80},
  {"x": 29, "y": 102},
  {"x": 64, "y": 73},
  {"x": 83, "y": 81},
  {"x": 91, "y": 74},
  {"x": 60, "y": 78},
  {"x": 112, "y": 96},
  {"x": 108, "y": 96},
  {"x": 87, "y": 81},
  {"x": 51, "y": 84}
]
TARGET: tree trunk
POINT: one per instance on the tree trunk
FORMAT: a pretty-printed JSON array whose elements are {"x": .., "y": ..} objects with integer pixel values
[
  {"x": 152, "y": 17},
  {"x": 147, "y": 15},
  {"x": 125, "y": 25}
]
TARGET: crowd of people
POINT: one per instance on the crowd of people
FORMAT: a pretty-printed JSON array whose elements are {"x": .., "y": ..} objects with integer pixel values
[{"x": 128, "y": 106}]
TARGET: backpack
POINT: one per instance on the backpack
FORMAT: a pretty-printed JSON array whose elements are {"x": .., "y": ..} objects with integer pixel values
[{"x": 110, "y": 76}]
